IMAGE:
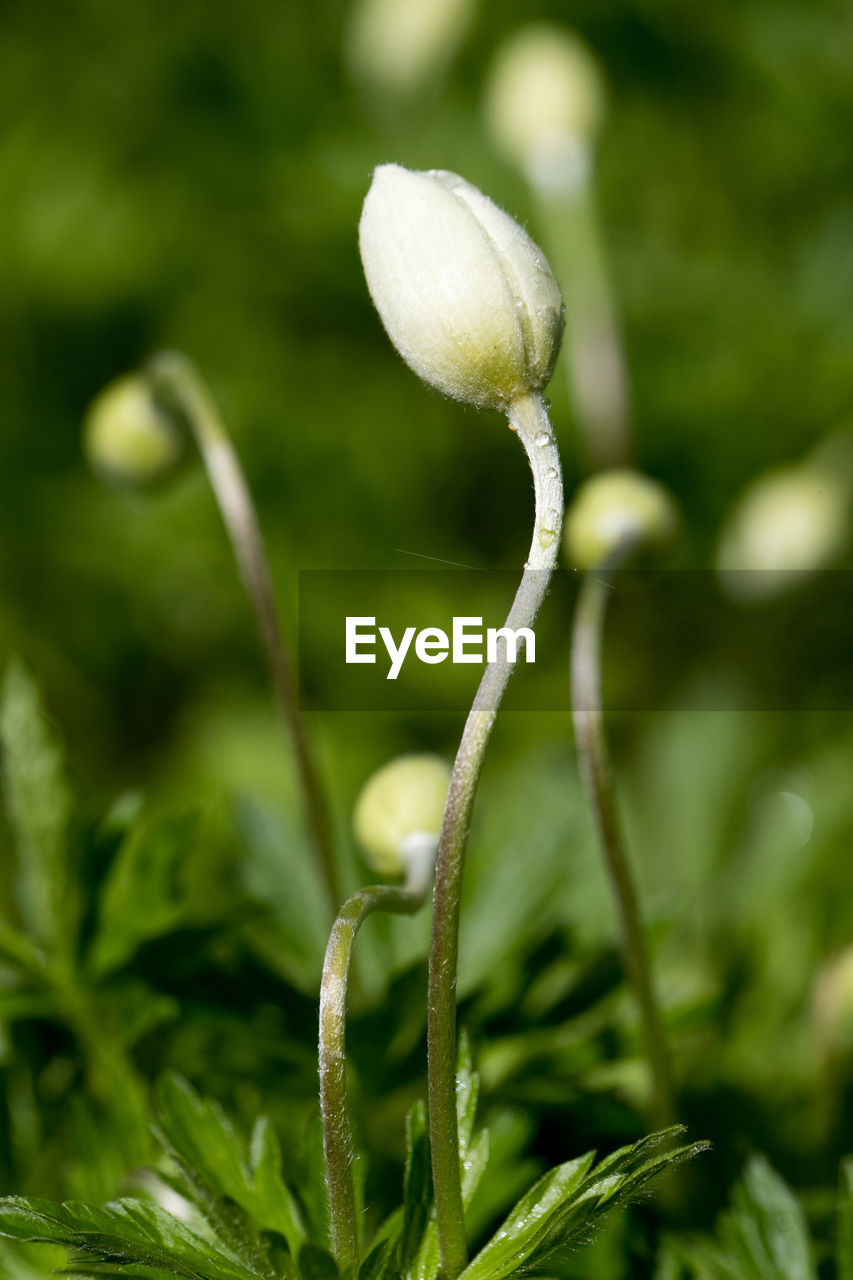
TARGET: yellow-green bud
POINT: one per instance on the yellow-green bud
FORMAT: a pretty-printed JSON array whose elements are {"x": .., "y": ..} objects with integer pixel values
[
  {"x": 790, "y": 521},
  {"x": 465, "y": 295},
  {"x": 127, "y": 437},
  {"x": 615, "y": 509},
  {"x": 399, "y": 812},
  {"x": 397, "y": 46},
  {"x": 545, "y": 104},
  {"x": 832, "y": 1004}
]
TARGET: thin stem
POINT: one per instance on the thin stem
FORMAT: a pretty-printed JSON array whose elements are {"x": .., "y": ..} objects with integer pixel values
[
  {"x": 595, "y": 361},
  {"x": 597, "y": 774},
  {"x": 338, "y": 1144},
  {"x": 178, "y": 385},
  {"x": 529, "y": 418}
]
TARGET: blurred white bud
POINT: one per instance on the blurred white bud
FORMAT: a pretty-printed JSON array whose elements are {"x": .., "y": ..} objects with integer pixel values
[
  {"x": 614, "y": 509},
  {"x": 832, "y": 1003},
  {"x": 398, "y": 815},
  {"x": 465, "y": 295},
  {"x": 545, "y": 105},
  {"x": 398, "y": 46},
  {"x": 127, "y": 437},
  {"x": 789, "y": 522}
]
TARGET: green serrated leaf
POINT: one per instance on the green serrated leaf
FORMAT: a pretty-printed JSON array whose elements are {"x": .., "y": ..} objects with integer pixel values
[
  {"x": 273, "y": 1205},
  {"x": 125, "y": 1233},
  {"x": 141, "y": 898},
  {"x": 467, "y": 1092},
  {"x": 38, "y": 802},
  {"x": 765, "y": 1232},
  {"x": 563, "y": 1208},
  {"x": 379, "y": 1263},
  {"x": 239, "y": 1191},
  {"x": 512, "y": 1242},
  {"x": 198, "y": 1138},
  {"x": 417, "y": 1185}
]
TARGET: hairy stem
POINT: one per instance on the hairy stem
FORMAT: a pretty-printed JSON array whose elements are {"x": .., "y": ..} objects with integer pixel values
[
  {"x": 597, "y": 775},
  {"x": 178, "y": 385},
  {"x": 529, "y": 418},
  {"x": 338, "y": 1147}
]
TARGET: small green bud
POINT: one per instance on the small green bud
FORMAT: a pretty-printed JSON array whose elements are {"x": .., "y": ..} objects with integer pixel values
[
  {"x": 398, "y": 46},
  {"x": 127, "y": 437},
  {"x": 399, "y": 812},
  {"x": 545, "y": 104},
  {"x": 790, "y": 521},
  {"x": 465, "y": 295},
  {"x": 615, "y": 509}
]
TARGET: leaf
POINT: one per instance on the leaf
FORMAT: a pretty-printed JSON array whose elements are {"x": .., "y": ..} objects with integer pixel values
[
  {"x": 467, "y": 1092},
  {"x": 141, "y": 898},
  {"x": 38, "y": 802},
  {"x": 239, "y": 1191},
  {"x": 125, "y": 1233},
  {"x": 764, "y": 1234},
  {"x": 17, "y": 951},
  {"x": 273, "y": 1206},
  {"x": 277, "y": 871},
  {"x": 417, "y": 1185},
  {"x": 562, "y": 1209}
]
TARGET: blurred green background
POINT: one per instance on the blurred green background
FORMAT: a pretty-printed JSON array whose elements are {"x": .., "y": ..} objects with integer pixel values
[{"x": 190, "y": 175}]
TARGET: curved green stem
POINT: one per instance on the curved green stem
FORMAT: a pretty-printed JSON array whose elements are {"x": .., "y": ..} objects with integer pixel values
[
  {"x": 338, "y": 1147},
  {"x": 529, "y": 418},
  {"x": 597, "y": 775},
  {"x": 178, "y": 385}
]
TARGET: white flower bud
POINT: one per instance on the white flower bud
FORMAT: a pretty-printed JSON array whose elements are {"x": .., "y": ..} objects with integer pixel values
[
  {"x": 467, "y": 298},
  {"x": 127, "y": 437},
  {"x": 545, "y": 104},
  {"x": 617, "y": 508},
  {"x": 397, "y": 46},
  {"x": 832, "y": 1004},
  {"x": 790, "y": 521},
  {"x": 399, "y": 812}
]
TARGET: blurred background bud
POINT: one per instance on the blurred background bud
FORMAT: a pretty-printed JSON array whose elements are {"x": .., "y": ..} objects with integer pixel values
[
  {"x": 832, "y": 1004},
  {"x": 396, "y": 47},
  {"x": 620, "y": 508},
  {"x": 127, "y": 437},
  {"x": 545, "y": 105},
  {"x": 399, "y": 812},
  {"x": 789, "y": 522}
]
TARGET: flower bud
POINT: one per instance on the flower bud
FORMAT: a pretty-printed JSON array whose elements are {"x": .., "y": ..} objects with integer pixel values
[
  {"x": 399, "y": 812},
  {"x": 832, "y": 1004},
  {"x": 397, "y": 46},
  {"x": 545, "y": 104},
  {"x": 465, "y": 295},
  {"x": 127, "y": 437},
  {"x": 790, "y": 521},
  {"x": 616, "y": 509}
]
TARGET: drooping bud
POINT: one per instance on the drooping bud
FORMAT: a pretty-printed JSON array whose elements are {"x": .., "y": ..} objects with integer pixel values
[
  {"x": 616, "y": 509},
  {"x": 791, "y": 521},
  {"x": 127, "y": 437},
  {"x": 545, "y": 104},
  {"x": 399, "y": 812},
  {"x": 465, "y": 295},
  {"x": 398, "y": 46}
]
